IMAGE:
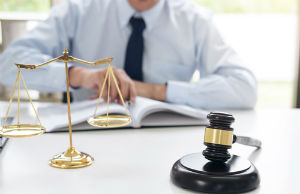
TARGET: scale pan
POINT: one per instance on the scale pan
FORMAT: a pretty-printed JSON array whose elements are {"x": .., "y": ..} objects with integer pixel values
[
  {"x": 109, "y": 121},
  {"x": 22, "y": 130}
]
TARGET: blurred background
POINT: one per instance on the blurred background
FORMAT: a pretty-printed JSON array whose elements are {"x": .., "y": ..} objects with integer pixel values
[{"x": 263, "y": 32}]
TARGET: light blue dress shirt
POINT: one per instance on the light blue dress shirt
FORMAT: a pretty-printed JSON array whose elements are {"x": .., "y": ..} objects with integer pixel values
[{"x": 179, "y": 39}]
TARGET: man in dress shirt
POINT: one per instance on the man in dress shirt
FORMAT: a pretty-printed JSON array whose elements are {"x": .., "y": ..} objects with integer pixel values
[{"x": 177, "y": 38}]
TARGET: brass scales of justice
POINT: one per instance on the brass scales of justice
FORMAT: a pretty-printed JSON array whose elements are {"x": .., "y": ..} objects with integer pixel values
[{"x": 71, "y": 158}]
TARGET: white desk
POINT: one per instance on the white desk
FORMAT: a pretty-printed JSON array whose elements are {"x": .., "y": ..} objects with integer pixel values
[{"x": 140, "y": 160}]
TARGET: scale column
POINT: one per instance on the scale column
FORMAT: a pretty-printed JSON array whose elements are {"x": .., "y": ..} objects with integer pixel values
[{"x": 68, "y": 100}]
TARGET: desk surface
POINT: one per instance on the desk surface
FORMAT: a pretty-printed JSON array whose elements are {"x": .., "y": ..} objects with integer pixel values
[{"x": 139, "y": 160}]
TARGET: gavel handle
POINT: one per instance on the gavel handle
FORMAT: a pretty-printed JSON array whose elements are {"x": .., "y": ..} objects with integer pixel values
[{"x": 249, "y": 141}]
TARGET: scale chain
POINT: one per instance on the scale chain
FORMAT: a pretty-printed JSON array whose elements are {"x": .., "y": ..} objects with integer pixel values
[
  {"x": 101, "y": 92},
  {"x": 10, "y": 100},
  {"x": 25, "y": 87}
]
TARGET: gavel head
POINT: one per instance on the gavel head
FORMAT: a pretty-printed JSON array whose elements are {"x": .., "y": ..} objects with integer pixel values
[{"x": 218, "y": 137}]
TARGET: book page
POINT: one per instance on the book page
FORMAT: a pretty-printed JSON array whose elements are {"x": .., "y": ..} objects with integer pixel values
[
  {"x": 147, "y": 108},
  {"x": 171, "y": 119},
  {"x": 140, "y": 108},
  {"x": 56, "y": 115}
]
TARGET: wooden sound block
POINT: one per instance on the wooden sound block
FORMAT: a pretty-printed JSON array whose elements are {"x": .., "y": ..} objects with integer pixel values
[{"x": 194, "y": 172}]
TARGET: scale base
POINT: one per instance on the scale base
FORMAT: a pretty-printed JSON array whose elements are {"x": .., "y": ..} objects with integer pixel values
[
  {"x": 196, "y": 173},
  {"x": 71, "y": 159}
]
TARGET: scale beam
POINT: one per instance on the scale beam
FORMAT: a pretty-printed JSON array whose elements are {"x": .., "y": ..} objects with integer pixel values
[
  {"x": 98, "y": 62},
  {"x": 62, "y": 58}
]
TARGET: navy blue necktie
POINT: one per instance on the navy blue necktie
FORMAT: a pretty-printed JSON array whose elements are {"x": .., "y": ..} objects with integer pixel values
[{"x": 135, "y": 49}]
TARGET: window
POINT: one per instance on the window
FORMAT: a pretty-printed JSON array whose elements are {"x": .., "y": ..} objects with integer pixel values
[
  {"x": 251, "y": 6},
  {"x": 25, "y": 5},
  {"x": 264, "y": 33}
]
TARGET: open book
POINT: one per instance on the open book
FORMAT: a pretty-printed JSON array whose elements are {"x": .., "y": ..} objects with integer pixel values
[{"x": 144, "y": 112}]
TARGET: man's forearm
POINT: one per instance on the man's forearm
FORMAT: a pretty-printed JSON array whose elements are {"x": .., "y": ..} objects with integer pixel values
[{"x": 153, "y": 91}]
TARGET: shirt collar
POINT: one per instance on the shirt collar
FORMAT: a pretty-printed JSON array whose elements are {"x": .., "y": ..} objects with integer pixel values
[{"x": 150, "y": 16}]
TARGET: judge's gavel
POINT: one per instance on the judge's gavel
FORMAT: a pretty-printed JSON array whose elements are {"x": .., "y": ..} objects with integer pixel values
[
  {"x": 219, "y": 137},
  {"x": 219, "y": 172}
]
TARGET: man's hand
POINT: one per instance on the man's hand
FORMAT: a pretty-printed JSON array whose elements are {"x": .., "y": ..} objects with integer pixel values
[{"x": 93, "y": 79}]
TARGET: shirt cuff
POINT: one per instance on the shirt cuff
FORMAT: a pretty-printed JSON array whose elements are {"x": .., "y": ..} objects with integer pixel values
[
  {"x": 178, "y": 92},
  {"x": 73, "y": 88}
]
